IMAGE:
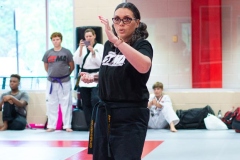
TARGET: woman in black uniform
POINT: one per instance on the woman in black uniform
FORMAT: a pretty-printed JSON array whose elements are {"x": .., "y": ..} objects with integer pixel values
[{"x": 122, "y": 116}]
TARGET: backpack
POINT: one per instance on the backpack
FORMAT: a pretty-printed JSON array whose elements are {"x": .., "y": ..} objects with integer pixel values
[
  {"x": 232, "y": 119},
  {"x": 78, "y": 120},
  {"x": 193, "y": 118},
  {"x": 227, "y": 119}
]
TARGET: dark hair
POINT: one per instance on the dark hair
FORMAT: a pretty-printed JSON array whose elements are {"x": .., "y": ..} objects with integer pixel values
[
  {"x": 157, "y": 85},
  {"x": 141, "y": 32},
  {"x": 16, "y": 76},
  {"x": 56, "y": 34}
]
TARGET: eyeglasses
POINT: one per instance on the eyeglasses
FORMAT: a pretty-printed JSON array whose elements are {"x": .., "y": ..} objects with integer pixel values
[{"x": 125, "y": 20}]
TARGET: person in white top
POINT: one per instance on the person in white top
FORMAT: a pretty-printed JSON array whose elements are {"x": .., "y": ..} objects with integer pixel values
[
  {"x": 161, "y": 110},
  {"x": 88, "y": 56}
]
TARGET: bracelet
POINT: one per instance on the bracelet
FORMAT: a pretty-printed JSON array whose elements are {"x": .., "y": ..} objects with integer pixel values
[{"x": 117, "y": 43}]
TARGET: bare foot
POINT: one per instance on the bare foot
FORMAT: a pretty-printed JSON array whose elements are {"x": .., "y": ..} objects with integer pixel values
[
  {"x": 69, "y": 130},
  {"x": 50, "y": 130},
  {"x": 3, "y": 128},
  {"x": 172, "y": 127}
]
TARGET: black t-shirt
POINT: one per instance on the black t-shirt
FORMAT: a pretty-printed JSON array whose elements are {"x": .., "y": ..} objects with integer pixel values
[{"x": 119, "y": 81}]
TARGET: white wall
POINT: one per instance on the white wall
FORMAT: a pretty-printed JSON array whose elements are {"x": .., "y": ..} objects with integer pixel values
[
  {"x": 86, "y": 12},
  {"x": 172, "y": 60}
]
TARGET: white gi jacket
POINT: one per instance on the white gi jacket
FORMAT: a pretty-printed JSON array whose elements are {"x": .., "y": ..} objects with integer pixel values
[{"x": 91, "y": 62}]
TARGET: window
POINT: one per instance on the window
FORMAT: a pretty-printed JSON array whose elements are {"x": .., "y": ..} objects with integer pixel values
[{"x": 25, "y": 29}]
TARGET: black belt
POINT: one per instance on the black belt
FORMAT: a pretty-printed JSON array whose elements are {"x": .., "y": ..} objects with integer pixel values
[
  {"x": 93, "y": 119},
  {"x": 90, "y": 70}
]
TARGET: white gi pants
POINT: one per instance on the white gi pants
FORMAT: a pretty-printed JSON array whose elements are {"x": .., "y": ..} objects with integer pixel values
[
  {"x": 60, "y": 95},
  {"x": 160, "y": 118}
]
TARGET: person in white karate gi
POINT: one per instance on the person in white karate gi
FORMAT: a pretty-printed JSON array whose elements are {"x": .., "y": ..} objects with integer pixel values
[
  {"x": 58, "y": 63},
  {"x": 161, "y": 110},
  {"x": 89, "y": 57}
]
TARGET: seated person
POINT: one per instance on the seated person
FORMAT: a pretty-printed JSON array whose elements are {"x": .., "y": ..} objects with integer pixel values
[
  {"x": 161, "y": 110},
  {"x": 13, "y": 105}
]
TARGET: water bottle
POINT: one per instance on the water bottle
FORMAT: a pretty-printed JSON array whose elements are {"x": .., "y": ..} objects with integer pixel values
[{"x": 219, "y": 114}]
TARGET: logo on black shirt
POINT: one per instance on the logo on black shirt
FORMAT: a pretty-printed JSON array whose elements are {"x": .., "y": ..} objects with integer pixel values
[{"x": 112, "y": 59}]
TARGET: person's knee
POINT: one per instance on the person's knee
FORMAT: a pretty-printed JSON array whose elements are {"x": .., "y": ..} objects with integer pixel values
[{"x": 7, "y": 104}]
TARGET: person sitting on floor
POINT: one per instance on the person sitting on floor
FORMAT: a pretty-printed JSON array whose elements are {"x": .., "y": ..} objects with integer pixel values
[
  {"x": 13, "y": 106},
  {"x": 161, "y": 110}
]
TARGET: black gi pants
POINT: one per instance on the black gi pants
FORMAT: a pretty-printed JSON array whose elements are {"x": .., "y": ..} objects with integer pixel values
[
  {"x": 89, "y": 98},
  {"x": 128, "y": 128},
  {"x": 15, "y": 121}
]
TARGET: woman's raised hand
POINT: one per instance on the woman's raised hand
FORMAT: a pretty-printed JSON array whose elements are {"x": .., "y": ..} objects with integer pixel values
[{"x": 111, "y": 37}]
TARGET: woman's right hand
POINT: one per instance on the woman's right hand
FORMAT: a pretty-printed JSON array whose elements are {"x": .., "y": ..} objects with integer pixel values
[
  {"x": 111, "y": 37},
  {"x": 81, "y": 43}
]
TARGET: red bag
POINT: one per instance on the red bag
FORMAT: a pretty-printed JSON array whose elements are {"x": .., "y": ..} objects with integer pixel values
[
  {"x": 232, "y": 119},
  {"x": 228, "y": 118},
  {"x": 236, "y": 120}
]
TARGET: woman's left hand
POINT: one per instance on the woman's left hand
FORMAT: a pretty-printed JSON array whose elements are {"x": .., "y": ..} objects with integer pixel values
[
  {"x": 111, "y": 37},
  {"x": 90, "y": 48}
]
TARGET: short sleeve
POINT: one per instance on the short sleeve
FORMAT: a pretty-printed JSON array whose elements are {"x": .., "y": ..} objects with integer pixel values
[
  {"x": 25, "y": 97},
  {"x": 4, "y": 94},
  {"x": 70, "y": 56},
  {"x": 145, "y": 48},
  {"x": 44, "y": 59}
]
